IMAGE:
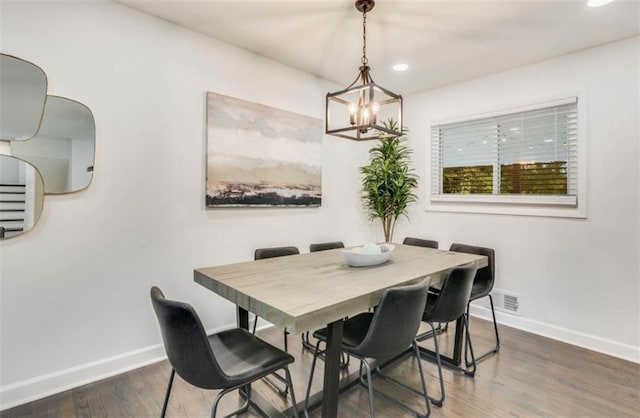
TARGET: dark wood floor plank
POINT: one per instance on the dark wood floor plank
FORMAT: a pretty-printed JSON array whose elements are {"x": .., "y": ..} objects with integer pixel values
[{"x": 532, "y": 376}]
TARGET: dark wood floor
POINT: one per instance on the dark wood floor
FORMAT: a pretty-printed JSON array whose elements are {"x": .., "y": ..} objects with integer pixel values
[{"x": 532, "y": 376}]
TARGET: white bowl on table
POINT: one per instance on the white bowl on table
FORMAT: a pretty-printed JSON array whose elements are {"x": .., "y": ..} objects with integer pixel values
[{"x": 366, "y": 255}]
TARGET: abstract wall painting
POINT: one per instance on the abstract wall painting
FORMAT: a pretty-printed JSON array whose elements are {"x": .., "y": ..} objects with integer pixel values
[{"x": 259, "y": 156}]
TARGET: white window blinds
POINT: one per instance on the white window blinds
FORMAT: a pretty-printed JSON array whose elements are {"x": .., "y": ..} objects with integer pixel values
[{"x": 523, "y": 156}]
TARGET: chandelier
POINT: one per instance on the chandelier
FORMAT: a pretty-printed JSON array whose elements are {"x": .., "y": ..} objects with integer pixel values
[{"x": 360, "y": 111}]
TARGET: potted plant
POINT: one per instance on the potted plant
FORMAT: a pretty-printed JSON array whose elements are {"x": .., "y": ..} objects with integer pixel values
[{"x": 388, "y": 182}]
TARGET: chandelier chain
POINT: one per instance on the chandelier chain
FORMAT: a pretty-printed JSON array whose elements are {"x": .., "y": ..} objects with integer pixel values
[{"x": 364, "y": 36}]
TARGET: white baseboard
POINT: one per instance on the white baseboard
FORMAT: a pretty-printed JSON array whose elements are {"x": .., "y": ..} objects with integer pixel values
[
  {"x": 590, "y": 342},
  {"x": 49, "y": 384},
  {"x": 39, "y": 387}
]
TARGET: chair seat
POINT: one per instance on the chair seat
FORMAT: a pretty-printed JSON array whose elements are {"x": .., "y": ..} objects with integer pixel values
[
  {"x": 480, "y": 289},
  {"x": 242, "y": 356},
  {"x": 353, "y": 332}
]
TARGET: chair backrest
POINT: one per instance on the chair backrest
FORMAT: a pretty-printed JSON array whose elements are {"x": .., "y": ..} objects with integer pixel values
[
  {"x": 262, "y": 253},
  {"x": 451, "y": 302},
  {"x": 419, "y": 242},
  {"x": 323, "y": 246},
  {"x": 485, "y": 277},
  {"x": 395, "y": 322},
  {"x": 186, "y": 343}
]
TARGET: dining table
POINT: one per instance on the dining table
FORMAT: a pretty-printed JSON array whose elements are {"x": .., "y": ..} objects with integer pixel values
[{"x": 314, "y": 290}]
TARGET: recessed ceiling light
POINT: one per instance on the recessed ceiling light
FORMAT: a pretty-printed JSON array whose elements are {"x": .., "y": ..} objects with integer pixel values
[
  {"x": 598, "y": 3},
  {"x": 400, "y": 67}
]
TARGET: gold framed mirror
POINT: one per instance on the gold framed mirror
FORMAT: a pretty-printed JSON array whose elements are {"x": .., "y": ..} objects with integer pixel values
[
  {"x": 64, "y": 148},
  {"x": 23, "y": 89},
  {"x": 21, "y": 196}
]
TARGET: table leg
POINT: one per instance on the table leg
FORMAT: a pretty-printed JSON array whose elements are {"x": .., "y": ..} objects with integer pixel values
[
  {"x": 242, "y": 318},
  {"x": 457, "y": 346},
  {"x": 330, "y": 388}
]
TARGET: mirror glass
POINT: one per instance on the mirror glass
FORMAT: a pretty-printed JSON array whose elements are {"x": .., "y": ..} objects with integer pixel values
[
  {"x": 63, "y": 149},
  {"x": 21, "y": 196},
  {"x": 23, "y": 89}
]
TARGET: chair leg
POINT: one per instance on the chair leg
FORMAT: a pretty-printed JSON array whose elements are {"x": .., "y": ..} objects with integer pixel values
[
  {"x": 287, "y": 386},
  {"x": 416, "y": 351},
  {"x": 369, "y": 385},
  {"x": 293, "y": 395},
  {"x": 471, "y": 372},
  {"x": 438, "y": 402},
  {"x": 247, "y": 403},
  {"x": 313, "y": 367},
  {"x": 285, "y": 391},
  {"x": 495, "y": 324},
  {"x": 306, "y": 343},
  {"x": 423, "y": 392},
  {"x": 166, "y": 396},
  {"x": 242, "y": 409},
  {"x": 495, "y": 328},
  {"x": 344, "y": 364},
  {"x": 436, "y": 331}
]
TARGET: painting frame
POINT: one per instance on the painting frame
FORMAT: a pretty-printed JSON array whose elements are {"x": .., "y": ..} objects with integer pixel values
[{"x": 260, "y": 156}]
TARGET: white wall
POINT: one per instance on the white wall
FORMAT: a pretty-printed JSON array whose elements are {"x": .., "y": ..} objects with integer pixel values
[
  {"x": 578, "y": 279},
  {"x": 75, "y": 290}
]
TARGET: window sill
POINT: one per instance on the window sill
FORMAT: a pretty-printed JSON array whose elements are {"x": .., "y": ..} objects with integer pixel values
[{"x": 546, "y": 206}]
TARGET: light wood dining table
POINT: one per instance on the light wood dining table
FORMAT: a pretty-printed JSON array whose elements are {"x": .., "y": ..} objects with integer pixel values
[{"x": 309, "y": 291}]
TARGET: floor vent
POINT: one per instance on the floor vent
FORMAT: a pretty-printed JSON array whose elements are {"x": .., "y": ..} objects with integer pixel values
[{"x": 505, "y": 302}]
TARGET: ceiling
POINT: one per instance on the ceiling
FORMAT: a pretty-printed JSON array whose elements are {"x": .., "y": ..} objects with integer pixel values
[{"x": 443, "y": 42}]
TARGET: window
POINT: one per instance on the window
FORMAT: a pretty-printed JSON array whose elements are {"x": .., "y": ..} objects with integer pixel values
[{"x": 516, "y": 157}]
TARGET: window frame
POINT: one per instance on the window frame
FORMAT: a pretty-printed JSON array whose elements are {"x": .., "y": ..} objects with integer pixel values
[{"x": 528, "y": 205}]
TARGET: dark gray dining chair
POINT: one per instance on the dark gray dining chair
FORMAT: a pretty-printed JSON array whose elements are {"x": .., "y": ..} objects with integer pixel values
[
  {"x": 324, "y": 246},
  {"x": 225, "y": 361},
  {"x": 319, "y": 246},
  {"x": 420, "y": 242},
  {"x": 482, "y": 287},
  {"x": 273, "y": 252},
  {"x": 449, "y": 305},
  {"x": 262, "y": 254},
  {"x": 383, "y": 334},
  {"x": 426, "y": 243}
]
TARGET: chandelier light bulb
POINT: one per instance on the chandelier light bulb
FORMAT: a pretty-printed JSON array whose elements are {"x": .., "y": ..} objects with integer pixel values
[{"x": 352, "y": 113}]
